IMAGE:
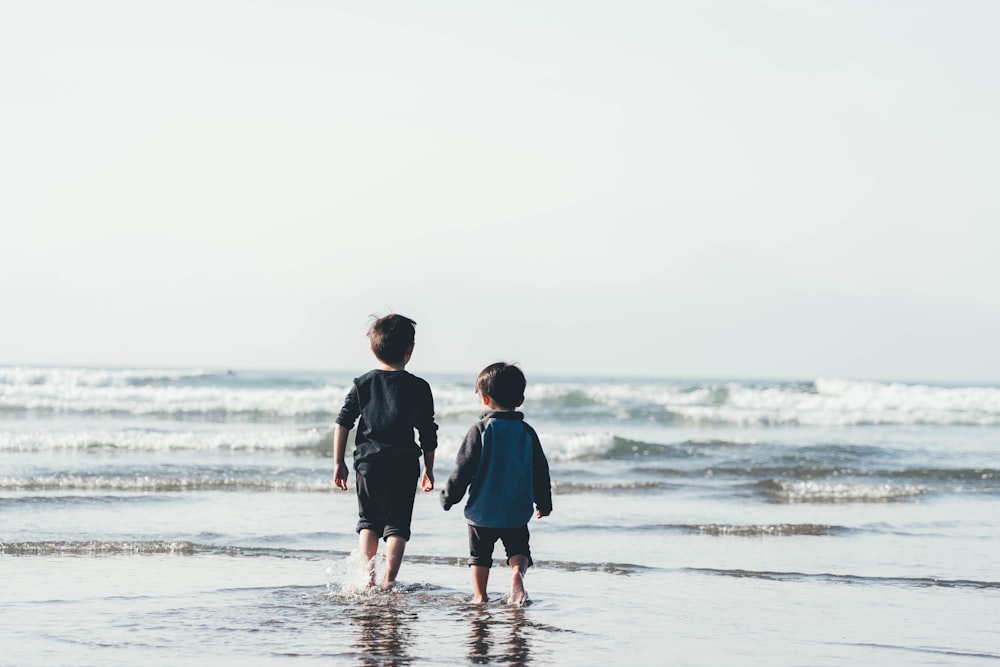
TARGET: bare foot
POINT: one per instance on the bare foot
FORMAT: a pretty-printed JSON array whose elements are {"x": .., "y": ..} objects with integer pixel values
[
  {"x": 387, "y": 585},
  {"x": 478, "y": 600},
  {"x": 518, "y": 596}
]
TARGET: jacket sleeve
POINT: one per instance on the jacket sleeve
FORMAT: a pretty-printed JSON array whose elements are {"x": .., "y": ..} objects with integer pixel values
[
  {"x": 541, "y": 481},
  {"x": 466, "y": 465}
]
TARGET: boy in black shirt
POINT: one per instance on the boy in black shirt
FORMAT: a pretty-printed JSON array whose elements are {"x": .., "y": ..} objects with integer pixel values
[{"x": 390, "y": 403}]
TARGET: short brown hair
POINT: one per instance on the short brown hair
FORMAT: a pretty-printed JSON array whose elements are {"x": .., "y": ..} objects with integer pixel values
[
  {"x": 391, "y": 337},
  {"x": 504, "y": 383}
]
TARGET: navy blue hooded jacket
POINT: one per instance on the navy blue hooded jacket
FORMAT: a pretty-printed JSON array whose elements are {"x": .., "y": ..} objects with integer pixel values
[{"x": 502, "y": 464}]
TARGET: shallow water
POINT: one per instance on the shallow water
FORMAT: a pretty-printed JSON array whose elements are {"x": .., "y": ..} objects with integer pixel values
[{"x": 168, "y": 517}]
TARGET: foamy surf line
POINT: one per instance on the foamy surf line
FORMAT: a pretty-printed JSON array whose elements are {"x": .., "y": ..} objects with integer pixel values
[
  {"x": 218, "y": 394},
  {"x": 921, "y": 582},
  {"x": 341, "y": 560},
  {"x": 345, "y": 562},
  {"x": 123, "y": 393},
  {"x": 145, "y": 483},
  {"x": 142, "y": 440},
  {"x": 726, "y": 530},
  {"x": 820, "y": 403},
  {"x": 155, "y": 547}
]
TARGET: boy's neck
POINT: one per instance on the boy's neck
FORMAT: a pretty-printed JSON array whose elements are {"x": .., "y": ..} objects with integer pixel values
[
  {"x": 490, "y": 404},
  {"x": 400, "y": 365},
  {"x": 382, "y": 366}
]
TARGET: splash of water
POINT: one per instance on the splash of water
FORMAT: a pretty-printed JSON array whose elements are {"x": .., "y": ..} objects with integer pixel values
[{"x": 354, "y": 575}]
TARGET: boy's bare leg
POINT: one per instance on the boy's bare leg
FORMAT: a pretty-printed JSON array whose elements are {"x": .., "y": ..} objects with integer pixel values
[
  {"x": 395, "y": 546},
  {"x": 519, "y": 564},
  {"x": 368, "y": 546},
  {"x": 480, "y": 577}
]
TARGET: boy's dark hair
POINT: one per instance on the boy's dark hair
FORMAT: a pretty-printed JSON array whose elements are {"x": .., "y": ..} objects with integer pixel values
[
  {"x": 502, "y": 382},
  {"x": 391, "y": 337}
]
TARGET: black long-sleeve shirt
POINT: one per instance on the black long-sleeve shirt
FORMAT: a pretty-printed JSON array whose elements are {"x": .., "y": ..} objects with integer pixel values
[{"x": 389, "y": 406}]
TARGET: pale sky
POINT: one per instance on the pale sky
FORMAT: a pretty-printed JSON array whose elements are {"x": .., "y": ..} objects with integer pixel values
[{"x": 761, "y": 189}]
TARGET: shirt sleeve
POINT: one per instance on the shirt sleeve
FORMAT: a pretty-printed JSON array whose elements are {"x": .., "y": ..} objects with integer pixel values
[
  {"x": 466, "y": 465},
  {"x": 541, "y": 481},
  {"x": 351, "y": 409},
  {"x": 426, "y": 426}
]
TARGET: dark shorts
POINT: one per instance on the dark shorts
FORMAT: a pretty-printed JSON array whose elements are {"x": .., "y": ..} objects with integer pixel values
[
  {"x": 482, "y": 541},
  {"x": 386, "y": 493}
]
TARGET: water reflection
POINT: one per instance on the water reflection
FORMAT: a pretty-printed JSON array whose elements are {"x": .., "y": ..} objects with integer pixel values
[
  {"x": 384, "y": 631},
  {"x": 498, "y": 636}
]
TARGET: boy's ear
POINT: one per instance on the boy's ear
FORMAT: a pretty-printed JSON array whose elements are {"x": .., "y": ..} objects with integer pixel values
[{"x": 486, "y": 399}]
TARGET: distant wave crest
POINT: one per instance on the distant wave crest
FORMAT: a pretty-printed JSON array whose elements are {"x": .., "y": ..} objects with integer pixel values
[
  {"x": 211, "y": 395},
  {"x": 825, "y": 402},
  {"x": 196, "y": 481},
  {"x": 308, "y": 439},
  {"x": 226, "y": 395}
]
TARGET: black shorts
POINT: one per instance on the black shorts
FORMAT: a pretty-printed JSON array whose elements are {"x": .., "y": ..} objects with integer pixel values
[
  {"x": 482, "y": 540},
  {"x": 386, "y": 493}
]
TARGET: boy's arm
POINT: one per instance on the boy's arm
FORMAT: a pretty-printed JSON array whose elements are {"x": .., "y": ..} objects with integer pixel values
[
  {"x": 541, "y": 481},
  {"x": 466, "y": 464},
  {"x": 349, "y": 413},
  {"x": 427, "y": 482},
  {"x": 427, "y": 429},
  {"x": 339, "y": 448}
]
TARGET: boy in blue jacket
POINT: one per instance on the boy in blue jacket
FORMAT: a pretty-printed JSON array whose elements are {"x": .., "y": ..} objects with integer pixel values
[{"x": 502, "y": 464}]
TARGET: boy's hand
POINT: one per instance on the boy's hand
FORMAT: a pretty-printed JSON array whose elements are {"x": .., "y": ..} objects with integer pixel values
[
  {"x": 427, "y": 482},
  {"x": 540, "y": 513},
  {"x": 340, "y": 476}
]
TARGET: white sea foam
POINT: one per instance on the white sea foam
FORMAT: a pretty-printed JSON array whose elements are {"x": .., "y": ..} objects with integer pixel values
[
  {"x": 20, "y": 376},
  {"x": 823, "y": 403},
  {"x": 194, "y": 392},
  {"x": 152, "y": 441},
  {"x": 194, "y": 481},
  {"x": 844, "y": 402},
  {"x": 578, "y": 446},
  {"x": 142, "y": 392}
]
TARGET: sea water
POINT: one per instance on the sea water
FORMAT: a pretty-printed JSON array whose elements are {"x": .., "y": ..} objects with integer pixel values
[{"x": 170, "y": 517}]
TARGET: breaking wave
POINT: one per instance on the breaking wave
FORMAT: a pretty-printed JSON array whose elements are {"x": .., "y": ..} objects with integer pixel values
[
  {"x": 230, "y": 481},
  {"x": 145, "y": 440},
  {"x": 224, "y": 395}
]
